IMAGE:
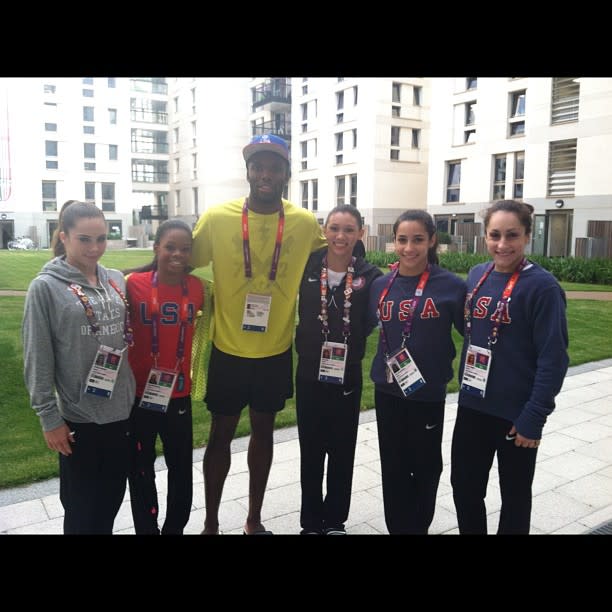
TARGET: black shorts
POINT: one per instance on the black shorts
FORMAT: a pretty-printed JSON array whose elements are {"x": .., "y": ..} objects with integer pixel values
[{"x": 264, "y": 383}]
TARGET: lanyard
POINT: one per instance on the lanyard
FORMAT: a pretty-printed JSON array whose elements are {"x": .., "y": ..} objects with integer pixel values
[
  {"x": 246, "y": 249},
  {"x": 180, "y": 349},
  {"x": 411, "y": 309},
  {"x": 348, "y": 290},
  {"x": 502, "y": 305},
  {"x": 128, "y": 332}
]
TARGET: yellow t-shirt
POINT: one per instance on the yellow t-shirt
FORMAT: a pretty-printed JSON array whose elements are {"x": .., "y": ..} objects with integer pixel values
[{"x": 217, "y": 237}]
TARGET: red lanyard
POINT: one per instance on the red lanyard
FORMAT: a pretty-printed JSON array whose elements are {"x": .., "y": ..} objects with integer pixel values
[
  {"x": 128, "y": 332},
  {"x": 180, "y": 349},
  {"x": 411, "y": 310},
  {"x": 246, "y": 249},
  {"x": 502, "y": 305},
  {"x": 348, "y": 290}
]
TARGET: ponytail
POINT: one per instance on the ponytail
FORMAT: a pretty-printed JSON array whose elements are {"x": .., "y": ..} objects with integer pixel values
[{"x": 70, "y": 213}]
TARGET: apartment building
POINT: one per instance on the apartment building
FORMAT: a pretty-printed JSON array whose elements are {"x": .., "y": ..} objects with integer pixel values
[
  {"x": 360, "y": 141},
  {"x": 546, "y": 140},
  {"x": 209, "y": 126},
  {"x": 270, "y": 112},
  {"x": 62, "y": 139},
  {"x": 145, "y": 149},
  {"x": 149, "y": 150},
  {"x": 142, "y": 149}
]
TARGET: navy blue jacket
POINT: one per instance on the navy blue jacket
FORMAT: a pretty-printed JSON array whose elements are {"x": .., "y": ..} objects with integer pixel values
[
  {"x": 530, "y": 359},
  {"x": 430, "y": 343}
]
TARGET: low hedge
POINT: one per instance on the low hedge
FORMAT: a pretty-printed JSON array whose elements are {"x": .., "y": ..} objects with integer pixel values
[{"x": 567, "y": 269}]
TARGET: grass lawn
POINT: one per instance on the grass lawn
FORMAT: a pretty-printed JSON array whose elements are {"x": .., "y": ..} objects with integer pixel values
[
  {"x": 24, "y": 456},
  {"x": 17, "y": 269}
]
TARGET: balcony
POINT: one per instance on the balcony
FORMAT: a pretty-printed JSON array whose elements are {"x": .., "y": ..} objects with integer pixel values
[
  {"x": 144, "y": 115},
  {"x": 159, "y": 212},
  {"x": 278, "y": 128},
  {"x": 149, "y": 85},
  {"x": 276, "y": 92}
]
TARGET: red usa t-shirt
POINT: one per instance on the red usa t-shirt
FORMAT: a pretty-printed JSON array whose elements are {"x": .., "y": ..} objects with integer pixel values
[{"x": 170, "y": 298}]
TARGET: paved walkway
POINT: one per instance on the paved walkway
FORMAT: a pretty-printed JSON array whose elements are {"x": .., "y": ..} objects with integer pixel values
[
  {"x": 589, "y": 295},
  {"x": 572, "y": 487}
]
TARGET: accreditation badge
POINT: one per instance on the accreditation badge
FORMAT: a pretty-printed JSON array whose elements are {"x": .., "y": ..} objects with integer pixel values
[
  {"x": 104, "y": 371},
  {"x": 405, "y": 371},
  {"x": 476, "y": 370},
  {"x": 256, "y": 312},
  {"x": 333, "y": 362},
  {"x": 158, "y": 390}
]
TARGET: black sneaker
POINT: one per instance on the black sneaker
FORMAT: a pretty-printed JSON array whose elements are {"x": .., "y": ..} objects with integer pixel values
[
  {"x": 335, "y": 531},
  {"x": 311, "y": 532}
]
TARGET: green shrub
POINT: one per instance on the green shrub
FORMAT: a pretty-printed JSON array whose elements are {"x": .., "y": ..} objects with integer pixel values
[
  {"x": 567, "y": 269},
  {"x": 444, "y": 238},
  {"x": 577, "y": 269},
  {"x": 380, "y": 259},
  {"x": 461, "y": 262}
]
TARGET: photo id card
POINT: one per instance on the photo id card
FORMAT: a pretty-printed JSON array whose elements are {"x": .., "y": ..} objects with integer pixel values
[
  {"x": 333, "y": 362},
  {"x": 405, "y": 372},
  {"x": 476, "y": 370},
  {"x": 256, "y": 312},
  {"x": 104, "y": 371},
  {"x": 158, "y": 390}
]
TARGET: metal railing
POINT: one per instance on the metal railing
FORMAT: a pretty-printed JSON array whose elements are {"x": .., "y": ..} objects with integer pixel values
[
  {"x": 272, "y": 90},
  {"x": 282, "y": 129}
]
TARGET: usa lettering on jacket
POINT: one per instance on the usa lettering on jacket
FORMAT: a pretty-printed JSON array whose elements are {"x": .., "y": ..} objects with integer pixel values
[
  {"x": 481, "y": 309},
  {"x": 429, "y": 310}
]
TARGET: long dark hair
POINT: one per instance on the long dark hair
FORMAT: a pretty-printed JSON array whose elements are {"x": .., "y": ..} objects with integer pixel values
[
  {"x": 70, "y": 213},
  {"x": 416, "y": 214},
  {"x": 522, "y": 210},
  {"x": 162, "y": 230}
]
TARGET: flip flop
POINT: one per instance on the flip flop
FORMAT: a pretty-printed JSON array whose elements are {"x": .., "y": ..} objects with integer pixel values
[{"x": 263, "y": 532}]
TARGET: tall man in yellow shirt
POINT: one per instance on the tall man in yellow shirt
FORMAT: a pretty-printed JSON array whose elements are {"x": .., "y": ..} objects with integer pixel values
[{"x": 259, "y": 246}]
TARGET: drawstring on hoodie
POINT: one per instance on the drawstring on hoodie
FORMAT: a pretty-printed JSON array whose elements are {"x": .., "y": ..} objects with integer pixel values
[
  {"x": 102, "y": 300},
  {"x": 61, "y": 269}
]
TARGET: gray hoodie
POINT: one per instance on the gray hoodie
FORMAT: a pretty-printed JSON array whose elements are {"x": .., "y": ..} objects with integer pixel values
[{"x": 59, "y": 348}]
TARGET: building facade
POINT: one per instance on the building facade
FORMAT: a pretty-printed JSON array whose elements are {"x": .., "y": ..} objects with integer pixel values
[
  {"x": 145, "y": 149},
  {"x": 209, "y": 126},
  {"x": 544, "y": 140},
  {"x": 360, "y": 141},
  {"x": 149, "y": 151},
  {"x": 62, "y": 139},
  {"x": 142, "y": 149}
]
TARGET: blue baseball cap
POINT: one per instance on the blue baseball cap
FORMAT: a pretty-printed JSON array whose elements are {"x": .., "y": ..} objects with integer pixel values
[{"x": 266, "y": 142}]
